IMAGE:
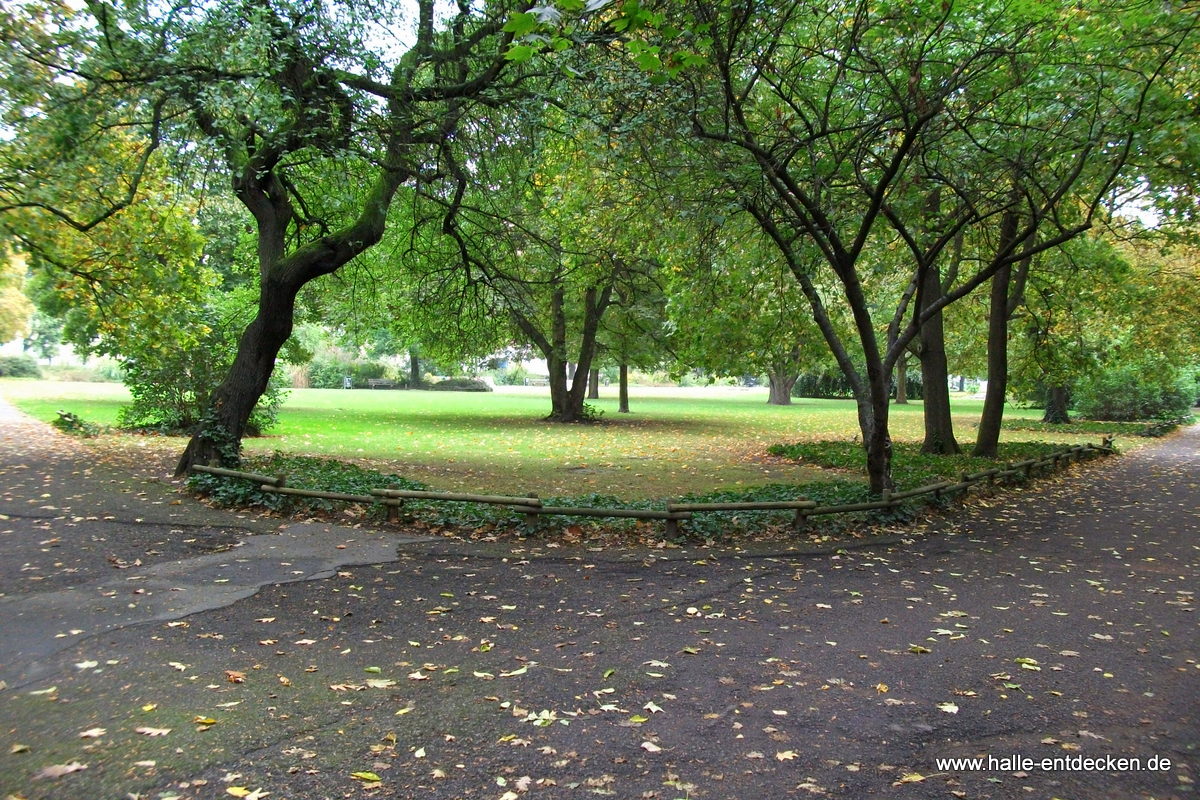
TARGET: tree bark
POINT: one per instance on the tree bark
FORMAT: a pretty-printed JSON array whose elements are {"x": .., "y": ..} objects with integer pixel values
[
  {"x": 1007, "y": 292},
  {"x": 873, "y": 421},
  {"x": 987, "y": 442},
  {"x": 1057, "y": 401},
  {"x": 781, "y": 384},
  {"x": 218, "y": 440},
  {"x": 593, "y": 384},
  {"x": 902, "y": 381},
  {"x": 567, "y": 395},
  {"x": 415, "y": 377},
  {"x": 623, "y": 401},
  {"x": 935, "y": 377}
]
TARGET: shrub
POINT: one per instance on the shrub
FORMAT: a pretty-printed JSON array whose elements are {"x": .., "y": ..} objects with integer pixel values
[
  {"x": 327, "y": 372},
  {"x": 833, "y": 385},
  {"x": 19, "y": 367},
  {"x": 1134, "y": 392},
  {"x": 170, "y": 382},
  {"x": 460, "y": 385}
]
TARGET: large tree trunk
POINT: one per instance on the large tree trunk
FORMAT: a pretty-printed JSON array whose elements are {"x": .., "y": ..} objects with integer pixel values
[
  {"x": 415, "y": 376},
  {"x": 623, "y": 401},
  {"x": 1057, "y": 401},
  {"x": 593, "y": 384},
  {"x": 902, "y": 381},
  {"x": 218, "y": 439},
  {"x": 935, "y": 377},
  {"x": 781, "y": 384},
  {"x": 282, "y": 273},
  {"x": 562, "y": 409}
]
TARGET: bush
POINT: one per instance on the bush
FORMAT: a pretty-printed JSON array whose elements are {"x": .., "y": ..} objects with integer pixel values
[
  {"x": 1134, "y": 392},
  {"x": 460, "y": 385},
  {"x": 325, "y": 474},
  {"x": 19, "y": 367},
  {"x": 170, "y": 382},
  {"x": 327, "y": 372},
  {"x": 834, "y": 386}
]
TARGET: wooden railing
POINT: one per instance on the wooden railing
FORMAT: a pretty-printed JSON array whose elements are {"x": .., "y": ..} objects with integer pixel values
[{"x": 674, "y": 513}]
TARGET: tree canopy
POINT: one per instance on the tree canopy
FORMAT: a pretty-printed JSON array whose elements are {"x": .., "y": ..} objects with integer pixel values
[{"x": 828, "y": 180}]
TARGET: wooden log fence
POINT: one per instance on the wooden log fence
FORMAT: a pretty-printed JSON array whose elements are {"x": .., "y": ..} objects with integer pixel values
[{"x": 531, "y": 507}]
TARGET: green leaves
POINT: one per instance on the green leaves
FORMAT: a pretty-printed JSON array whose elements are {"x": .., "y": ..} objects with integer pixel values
[{"x": 522, "y": 24}]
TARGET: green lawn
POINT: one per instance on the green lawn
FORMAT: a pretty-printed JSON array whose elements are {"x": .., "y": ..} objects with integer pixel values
[{"x": 676, "y": 441}]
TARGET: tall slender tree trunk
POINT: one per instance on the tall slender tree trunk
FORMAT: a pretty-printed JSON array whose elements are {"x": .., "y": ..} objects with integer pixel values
[
  {"x": 987, "y": 442},
  {"x": 1007, "y": 292},
  {"x": 594, "y": 384},
  {"x": 623, "y": 390},
  {"x": 415, "y": 376},
  {"x": 935, "y": 378},
  {"x": 902, "y": 380}
]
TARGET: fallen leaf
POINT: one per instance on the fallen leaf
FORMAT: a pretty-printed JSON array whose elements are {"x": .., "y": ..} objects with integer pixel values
[
  {"x": 58, "y": 770},
  {"x": 370, "y": 777},
  {"x": 785, "y": 755},
  {"x": 152, "y": 731},
  {"x": 92, "y": 733},
  {"x": 651, "y": 747},
  {"x": 949, "y": 708}
]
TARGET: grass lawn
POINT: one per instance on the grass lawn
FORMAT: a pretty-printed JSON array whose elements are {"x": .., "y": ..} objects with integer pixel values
[{"x": 677, "y": 441}]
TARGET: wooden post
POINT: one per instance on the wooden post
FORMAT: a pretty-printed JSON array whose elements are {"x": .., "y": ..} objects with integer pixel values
[
  {"x": 673, "y": 528},
  {"x": 531, "y": 518},
  {"x": 800, "y": 523}
]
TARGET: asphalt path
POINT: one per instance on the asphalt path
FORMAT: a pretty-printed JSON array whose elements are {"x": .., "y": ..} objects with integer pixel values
[{"x": 154, "y": 648}]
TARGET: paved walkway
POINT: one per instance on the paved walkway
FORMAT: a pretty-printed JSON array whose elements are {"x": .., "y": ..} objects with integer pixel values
[{"x": 1058, "y": 623}]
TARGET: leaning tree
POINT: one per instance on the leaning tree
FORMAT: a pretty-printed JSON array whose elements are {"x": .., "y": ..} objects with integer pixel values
[{"x": 313, "y": 115}]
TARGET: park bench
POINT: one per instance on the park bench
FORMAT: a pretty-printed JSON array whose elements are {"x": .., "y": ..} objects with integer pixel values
[
  {"x": 537, "y": 381},
  {"x": 380, "y": 383}
]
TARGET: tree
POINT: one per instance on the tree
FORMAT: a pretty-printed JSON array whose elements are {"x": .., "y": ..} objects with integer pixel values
[
  {"x": 15, "y": 308},
  {"x": 858, "y": 115},
  {"x": 554, "y": 228},
  {"x": 733, "y": 311},
  {"x": 313, "y": 113}
]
